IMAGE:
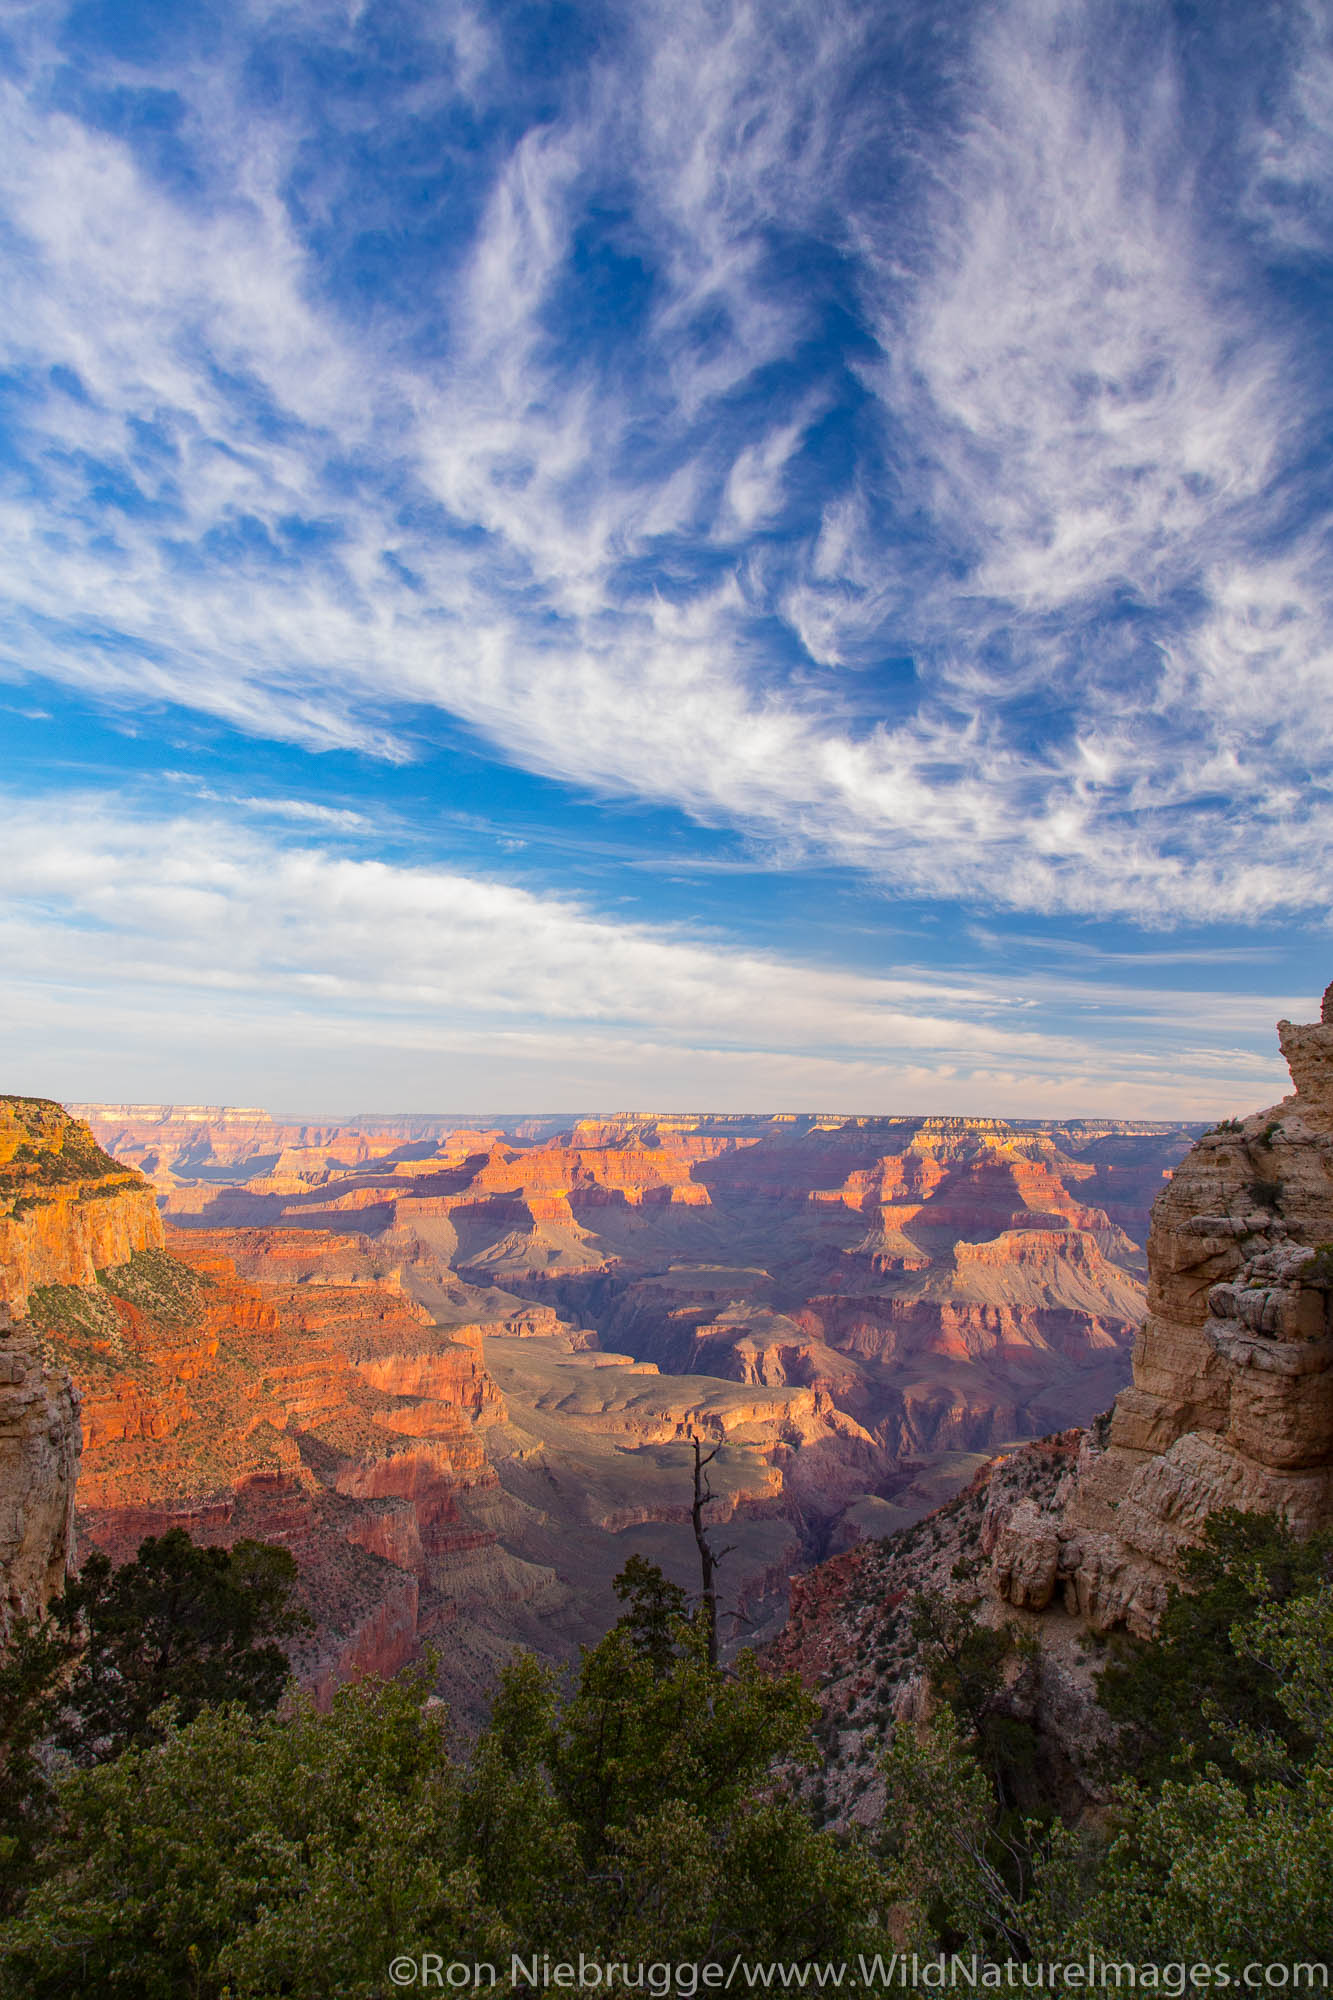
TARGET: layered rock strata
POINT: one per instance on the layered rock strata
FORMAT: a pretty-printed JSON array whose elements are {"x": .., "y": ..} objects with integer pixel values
[
  {"x": 1231, "y": 1402},
  {"x": 883, "y": 1298},
  {"x": 285, "y": 1385},
  {"x": 312, "y": 1402},
  {"x": 67, "y": 1209},
  {"x": 950, "y": 1284},
  {"x": 172, "y": 1143}
]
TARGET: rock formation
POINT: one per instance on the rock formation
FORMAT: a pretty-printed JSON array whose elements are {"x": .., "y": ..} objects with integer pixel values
[
  {"x": 946, "y": 1281},
  {"x": 849, "y": 1635},
  {"x": 330, "y": 1391},
  {"x": 39, "y": 1458},
  {"x": 311, "y": 1401},
  {"x": 66, "y": 1207},
  {"x": 180, "y": 1142},
  {"x": 1230, "y": 1406},
  {"x": 238, "y": 1385},
  {"x": 1231, "y": 1402},
  {"x": 594, "y": 1464},
  {"x": 396, "y": 1348}
]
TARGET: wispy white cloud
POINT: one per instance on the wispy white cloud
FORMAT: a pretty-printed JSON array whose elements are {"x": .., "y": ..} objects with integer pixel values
[
  {"x": 1289, "y": 190},
  {"x": 336, "y": 819},
  {"x": 1095, "y": 406},
  {"x": 248, "y": 502}
]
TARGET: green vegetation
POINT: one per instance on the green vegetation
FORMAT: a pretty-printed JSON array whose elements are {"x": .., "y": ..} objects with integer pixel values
[
  {"x": 74, "y": 1316},
  {"x": 1240, "y": 1869},
  {"x": 68, "y": 1153},
  {"x": 635, "y": 1816},
  {"x": 967, "y": 1666},
  {"x": 1220, "y": 1846},
  {"x": 180, "y": 1624},
  {"x": 82, "y": 1328},
  {"x": 158, "y": 1283},
  {"x": 199, "y": 1840},
  {"x": 1196, "y": 1697},
  {"x": 657, "y": 1611},
  {"x": 32, "y": 1671}
]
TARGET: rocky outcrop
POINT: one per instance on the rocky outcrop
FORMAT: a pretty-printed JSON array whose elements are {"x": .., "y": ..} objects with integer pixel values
[
  {"x": 278, "y": 1384},
  {"x": 1230, "y": 1405},
  {"x": 39, "y": 1459},
  {"x": 966, "y": 1345},
  {"x": 849, "y": 1636},
  {"x": 949, "y": 1284},
  {"x": 67, "y": 1209},
  {"x": 594, "y": 1460},
  {"x": 868, "y": 1288},
  {"x": 1231, "y": 1402}
]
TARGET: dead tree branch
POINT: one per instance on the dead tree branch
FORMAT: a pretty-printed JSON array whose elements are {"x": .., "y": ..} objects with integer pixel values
[{"x": 708, "y": 1557}]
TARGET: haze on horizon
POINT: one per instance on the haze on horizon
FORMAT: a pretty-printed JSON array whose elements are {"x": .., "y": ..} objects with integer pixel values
[{"x": 717, "y": 556}]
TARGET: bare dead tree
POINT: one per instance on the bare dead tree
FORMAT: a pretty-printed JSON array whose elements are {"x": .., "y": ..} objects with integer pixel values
[{"x": 709, "y": 1558}]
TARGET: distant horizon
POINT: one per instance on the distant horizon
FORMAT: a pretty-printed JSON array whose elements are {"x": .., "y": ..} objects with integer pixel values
[{"x": 352, "y": 1121}]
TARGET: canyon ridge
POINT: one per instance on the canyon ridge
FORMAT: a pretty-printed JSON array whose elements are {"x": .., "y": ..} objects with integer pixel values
[{"x": 456, "y": 1367}]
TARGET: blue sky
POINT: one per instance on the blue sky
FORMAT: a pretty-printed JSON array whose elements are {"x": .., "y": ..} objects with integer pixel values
[{"x": 703, "y": 555}]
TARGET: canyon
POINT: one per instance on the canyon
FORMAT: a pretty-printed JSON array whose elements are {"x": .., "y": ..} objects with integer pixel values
[
  {"x": 947, "y": 1283},
  {"x": 456, "y": 1367}
]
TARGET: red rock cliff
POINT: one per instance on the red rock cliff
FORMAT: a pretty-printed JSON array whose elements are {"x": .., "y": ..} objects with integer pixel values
[
  {"x": 312, "y": 1402},
  {"x": 67, "y": 1209}
]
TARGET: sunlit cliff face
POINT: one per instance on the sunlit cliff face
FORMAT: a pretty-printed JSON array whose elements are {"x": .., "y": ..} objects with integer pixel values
[{"x": 66, "y": 1207}]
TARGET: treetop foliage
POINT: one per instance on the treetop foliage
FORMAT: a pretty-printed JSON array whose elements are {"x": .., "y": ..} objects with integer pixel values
[
  {"x": 636, "y": 1814},
  {"x": 1219, "y": 1846},
  {"x": 181, "y": 1624},
  {"x": 647, "y": 1808},
  {"x": 1192, "y": 1695}
]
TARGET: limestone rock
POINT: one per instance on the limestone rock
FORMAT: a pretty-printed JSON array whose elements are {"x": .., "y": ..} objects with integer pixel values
[
  {"x": 1026, "y": 1562},
  {"x": 1231, "y": 1403}
]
